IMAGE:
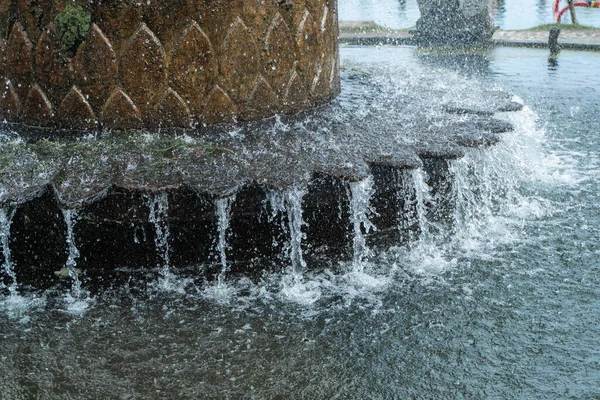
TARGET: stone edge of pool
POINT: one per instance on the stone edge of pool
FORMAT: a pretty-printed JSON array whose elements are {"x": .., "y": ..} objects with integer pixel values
[{"x": 588, "y": 40}]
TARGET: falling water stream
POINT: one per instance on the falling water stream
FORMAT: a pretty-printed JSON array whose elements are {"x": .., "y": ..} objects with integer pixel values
[
  {"x": 289, "y": 203},
  {"x": 360, "y": 209},
  {"x": 6, "y": 216},
  {"x": 497, "y": 298},
  {"x": 158, "y": 212},
  {"x": 223, "y": 209},
  {"x": 71, "y": 264},
  {"x": 417, "y": 186},
  {"x": 293, "y": 208}
]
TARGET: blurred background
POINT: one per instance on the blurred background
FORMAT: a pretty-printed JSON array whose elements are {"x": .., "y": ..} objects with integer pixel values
[{"x": 508, "y": 14}]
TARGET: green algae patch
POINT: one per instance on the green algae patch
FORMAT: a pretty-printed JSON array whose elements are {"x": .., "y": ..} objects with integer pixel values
[{"x": 73, "y": 25}]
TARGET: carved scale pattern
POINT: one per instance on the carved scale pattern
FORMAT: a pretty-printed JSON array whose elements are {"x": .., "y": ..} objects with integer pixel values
[{"x": 139, "y": 69}]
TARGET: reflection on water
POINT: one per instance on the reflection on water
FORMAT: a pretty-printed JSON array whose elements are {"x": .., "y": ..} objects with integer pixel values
[
  {"x": 395, "y": 14},
  {"x": 507, "y": 14}
]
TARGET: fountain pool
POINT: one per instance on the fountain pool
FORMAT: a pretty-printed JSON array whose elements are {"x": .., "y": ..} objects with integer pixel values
[{"x": 495, "y": 295}]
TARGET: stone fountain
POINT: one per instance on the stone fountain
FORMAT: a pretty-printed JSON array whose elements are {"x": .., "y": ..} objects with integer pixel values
[{"x": 201, "y": 136}]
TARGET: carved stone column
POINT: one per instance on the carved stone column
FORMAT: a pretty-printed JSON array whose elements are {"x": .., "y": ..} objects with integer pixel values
[{"x": 130, "y": 64}]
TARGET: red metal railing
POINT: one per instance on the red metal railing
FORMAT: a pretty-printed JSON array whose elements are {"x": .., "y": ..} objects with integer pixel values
[{"x": 558, "y": 14}]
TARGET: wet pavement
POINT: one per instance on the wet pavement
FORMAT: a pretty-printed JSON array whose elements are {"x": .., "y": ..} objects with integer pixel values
[{"x": 588, "y": 39}]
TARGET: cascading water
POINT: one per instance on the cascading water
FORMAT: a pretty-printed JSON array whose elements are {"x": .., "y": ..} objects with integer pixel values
[
  {"x": 223, "y": 210},
  {"x": 486, "y": 181},
  {"x": 70, "y": 217},
  {"x": 416, "y": 179},
  {"x": 158, "y": 205},
  {"x": 289, "y": 201},
  {"x": 360, "y": 210},
  {"x": 293, "y": 207},
  {"x": 6, "y": 216}
]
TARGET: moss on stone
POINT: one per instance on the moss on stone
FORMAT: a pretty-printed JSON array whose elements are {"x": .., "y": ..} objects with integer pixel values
[{"x": 73, "y": 25}]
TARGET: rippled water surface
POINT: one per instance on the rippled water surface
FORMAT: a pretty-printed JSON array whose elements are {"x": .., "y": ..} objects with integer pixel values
[{"x": 505, "y": 305}]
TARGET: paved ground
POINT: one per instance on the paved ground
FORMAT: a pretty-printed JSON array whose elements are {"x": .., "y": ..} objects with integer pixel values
[
  {"x": 361, "y": 32},
  {"x": 589, "y": 37}
]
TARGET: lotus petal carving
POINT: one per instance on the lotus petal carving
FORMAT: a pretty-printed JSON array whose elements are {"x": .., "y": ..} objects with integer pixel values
[
  {"x": 37, "y": 105},
  {"x": 240, "y": 60},
  {"x": 52, "y": 69},
  {"x": 10, "y": 105},
  {"x": 19, "y": 59},
  {"x": 143, "y": 67},
  {"x": 279, "y": 54},
  {"x": 120, "y": 112},
  {"x": 193, "y": 66},
  {"x": 219, "y": 107},
  {"x": 96, "y": 66},
  {"x": 172, "y": 110},
  {"x": 75, "y": 106}
]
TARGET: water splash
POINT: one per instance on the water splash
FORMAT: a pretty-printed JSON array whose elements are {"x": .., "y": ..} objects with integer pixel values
[
  {"x": 223, "y": 207},
  {"x": 70, "y": 217},
  {"x": 360, "y": 210},
  {"x": 472, "y": 188},
  {"x": 491, "y": 184},
  {"x": 6, "y": 216}
]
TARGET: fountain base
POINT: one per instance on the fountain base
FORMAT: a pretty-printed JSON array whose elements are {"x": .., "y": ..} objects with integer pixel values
[{"x": 282, "y": 193}]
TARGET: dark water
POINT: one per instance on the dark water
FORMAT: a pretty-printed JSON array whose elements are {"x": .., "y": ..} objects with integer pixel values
[
  {"x": 507, "y": 14},
  {"x": 505, "y": 306}
]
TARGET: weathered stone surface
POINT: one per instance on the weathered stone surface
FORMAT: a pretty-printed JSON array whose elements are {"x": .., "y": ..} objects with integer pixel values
[
  {"x": 37, "y": 108},
  {"x": 75, "y": 107},
  {"x": 219, "y": 107},
  {"x": 307, "y": 41},
  {"x": 193, "y": 66},
  {"x": 2, "y": 57},
  {"x": 10, "y": 105},
  {"x": 172, "y": 111},
  {"x": 262, "y": 99},
  {"x": 53, "y": 72},
  {"x": 143, "y": 67},
  {"x": 240, "y": 60},
  {"x": 265, "y": 57},
  {"x": 96, "y": 67},
  {"x": 295, "y": 91},
  {"x": 278, "y": 62},
  {"x": 19, "y": 59},
  {"x": 120, "y": 112}
]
